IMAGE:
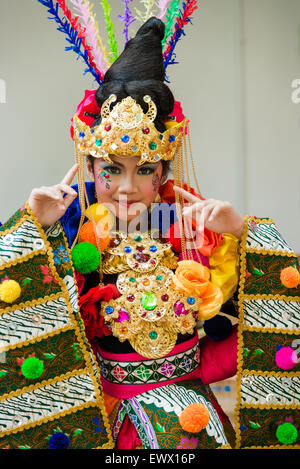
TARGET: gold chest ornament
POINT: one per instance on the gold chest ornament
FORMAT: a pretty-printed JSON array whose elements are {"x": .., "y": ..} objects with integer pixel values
[{"x": 150, "y": 313}]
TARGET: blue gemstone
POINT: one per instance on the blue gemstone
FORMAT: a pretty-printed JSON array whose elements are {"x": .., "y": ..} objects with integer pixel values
[
  {"x": 191, "y": 300},
  {"x": 125, "y": 138},
  {"x": 172, "y": 138},
  {"x": 109, "y": 309},
  {"x": 153, "y": 248},
  {"x": 127, "y": 249},
  {"x": 81, "y": 134}
]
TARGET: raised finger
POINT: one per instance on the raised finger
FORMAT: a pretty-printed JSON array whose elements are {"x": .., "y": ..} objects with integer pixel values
[
  {"x": 190, "y": 210},
  {"x": 70, "y": 175},
  {"x": 187, "y": 195},
  {"x": 66, "y": 189}
]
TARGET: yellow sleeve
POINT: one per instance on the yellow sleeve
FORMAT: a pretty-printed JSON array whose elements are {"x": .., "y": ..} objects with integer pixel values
[{"x": 224, "y": 266}]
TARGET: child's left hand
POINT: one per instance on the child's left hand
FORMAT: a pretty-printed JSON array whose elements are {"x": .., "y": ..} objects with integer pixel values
[{"x": 215, "y": 215}]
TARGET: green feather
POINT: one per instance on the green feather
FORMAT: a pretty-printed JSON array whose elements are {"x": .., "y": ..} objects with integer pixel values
[
  {"x": 172, "y": 12},
  {"x": 110, "y": 29}
]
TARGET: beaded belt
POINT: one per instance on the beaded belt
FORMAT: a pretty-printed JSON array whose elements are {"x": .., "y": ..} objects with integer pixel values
[{"x": 132, "y": 371}]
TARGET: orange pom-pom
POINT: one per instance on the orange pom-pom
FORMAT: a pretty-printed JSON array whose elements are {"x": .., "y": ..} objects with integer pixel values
[
  {"x": 290, "y": 277},
  {"x": 87, "y": 234},
  {"x": 194, "y": 418}
]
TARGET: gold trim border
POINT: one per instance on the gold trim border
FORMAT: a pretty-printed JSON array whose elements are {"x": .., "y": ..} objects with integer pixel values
[
  {"x": 79, "y": 334},
  {"x": 242, "y": 328}
]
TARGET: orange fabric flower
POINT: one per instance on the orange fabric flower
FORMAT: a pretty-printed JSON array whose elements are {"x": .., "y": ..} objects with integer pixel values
[
  {"x": 212, "y": 301},
  {"x": 191, "y": 277}
]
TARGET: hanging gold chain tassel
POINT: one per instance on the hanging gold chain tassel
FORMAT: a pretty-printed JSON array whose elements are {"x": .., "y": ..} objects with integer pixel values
[
  {"x": 81, "y": 187},
  {"x": 100, "y": 269}
]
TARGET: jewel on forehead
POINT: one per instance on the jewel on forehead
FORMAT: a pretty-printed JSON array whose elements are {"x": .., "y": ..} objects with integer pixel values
[{"x": 125, "y": 138}]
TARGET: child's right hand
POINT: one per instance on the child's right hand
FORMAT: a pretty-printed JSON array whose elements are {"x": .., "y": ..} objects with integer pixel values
[{"x": 48, "y": 203}]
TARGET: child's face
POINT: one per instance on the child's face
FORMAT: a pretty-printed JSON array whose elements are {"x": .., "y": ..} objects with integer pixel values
[{"x": 130, "y": 189}]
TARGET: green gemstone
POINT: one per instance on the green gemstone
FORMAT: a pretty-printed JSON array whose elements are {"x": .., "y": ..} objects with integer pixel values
[
  {"x": 98, "y": 142},
  {"x": 159, "y": 277},
  {"x": 149, "y": 300},
  {"x": 152, "y": 146},
  {"x": 153, "y": 335},
  {"x": 131, "y": 279},
  {"x": 137, "y": 238}
]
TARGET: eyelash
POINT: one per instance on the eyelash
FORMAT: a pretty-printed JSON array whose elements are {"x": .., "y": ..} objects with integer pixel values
[{"x": 145, "y": 171}]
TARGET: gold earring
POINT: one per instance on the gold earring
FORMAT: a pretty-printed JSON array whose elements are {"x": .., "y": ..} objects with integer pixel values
[{"x": 157, "y": 198}]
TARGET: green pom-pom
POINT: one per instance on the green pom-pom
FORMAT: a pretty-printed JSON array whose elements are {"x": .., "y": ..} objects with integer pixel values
[
  {"x": 286, "y": 433},
  {"x": 32, "y": 368},
  {"x": 86, "y": 257}
]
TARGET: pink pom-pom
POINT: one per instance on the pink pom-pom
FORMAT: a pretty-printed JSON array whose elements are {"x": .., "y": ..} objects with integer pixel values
[{"x": 286, "y": 358}]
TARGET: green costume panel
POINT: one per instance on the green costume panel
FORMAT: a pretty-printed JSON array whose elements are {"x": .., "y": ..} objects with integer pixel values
[{"x": 50, "y": 396}]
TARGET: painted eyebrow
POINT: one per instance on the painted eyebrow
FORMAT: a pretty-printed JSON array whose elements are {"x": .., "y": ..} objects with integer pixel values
[{"x": 153, "y": 165}]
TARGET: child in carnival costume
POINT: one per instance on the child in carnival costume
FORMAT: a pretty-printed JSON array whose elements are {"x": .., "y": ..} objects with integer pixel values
[{"x": 105, "y": 284}]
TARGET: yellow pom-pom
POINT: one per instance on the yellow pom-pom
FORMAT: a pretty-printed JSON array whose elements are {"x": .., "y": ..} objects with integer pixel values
[
  {"x": 290, "y": 277},
  {"x": 10, "y": 290},
  {"x": 194, "y": 418},
  {"x": 100, "y": 213},
  {"x": 87, "y": 234}
]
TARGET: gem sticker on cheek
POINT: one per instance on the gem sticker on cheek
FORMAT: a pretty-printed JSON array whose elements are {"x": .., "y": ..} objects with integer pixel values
[{"x": 104, "y": 178}]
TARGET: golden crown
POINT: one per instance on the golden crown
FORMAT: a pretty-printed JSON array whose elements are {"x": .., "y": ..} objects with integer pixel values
[{"x": 127, "y": 131}]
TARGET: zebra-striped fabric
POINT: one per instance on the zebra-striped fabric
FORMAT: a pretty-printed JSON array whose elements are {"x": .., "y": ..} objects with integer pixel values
[
  {"x": 32, "y": 322},
  {"x": 270, "y": 390},
  {"x": 43, "y": 402},
  {"x": 266, "y": 236},
  {"x": 24, "y": 240},
  {"x": 273, "y": 314}
]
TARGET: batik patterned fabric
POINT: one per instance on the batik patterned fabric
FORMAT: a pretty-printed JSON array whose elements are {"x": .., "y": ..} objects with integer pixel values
[
  {"x": 155, "y": 415},
  {"x": 159, "y": 370},
  {"x": 268, "y": 401},
  {"x": 57, "y": 403}
]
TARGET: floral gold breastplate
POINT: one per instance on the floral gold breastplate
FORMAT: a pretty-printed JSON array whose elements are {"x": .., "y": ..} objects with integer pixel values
[{"x": 150, "y": 313}]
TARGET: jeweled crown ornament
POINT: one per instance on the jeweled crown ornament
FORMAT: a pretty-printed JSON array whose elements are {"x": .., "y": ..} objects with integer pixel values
[{"x": 127, "y": 131}]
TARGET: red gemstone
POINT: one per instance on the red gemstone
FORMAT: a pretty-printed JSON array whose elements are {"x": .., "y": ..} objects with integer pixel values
[
  {"x": 140, "y": 248},
  {"x": 158, "y": 315},
  {"x": 136, "y": 264},
  {"x": 152, "y": 261},
  {"x": 165, "y": 297},
  {"x": 146, "y": 130},
  {"x": 130, "y": 297},
  {"x": 107, "y": 127}
]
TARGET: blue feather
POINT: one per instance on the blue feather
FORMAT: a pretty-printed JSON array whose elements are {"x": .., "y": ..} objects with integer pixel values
[{"x": 71, "y": 36}]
